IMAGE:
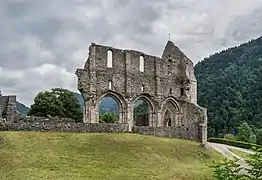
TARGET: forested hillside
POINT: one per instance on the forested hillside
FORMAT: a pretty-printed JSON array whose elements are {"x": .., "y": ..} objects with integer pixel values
[{"x": 230, "y": 86}]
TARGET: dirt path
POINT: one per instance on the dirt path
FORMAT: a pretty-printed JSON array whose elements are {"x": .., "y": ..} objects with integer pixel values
[{"x": 224, "y": 150}]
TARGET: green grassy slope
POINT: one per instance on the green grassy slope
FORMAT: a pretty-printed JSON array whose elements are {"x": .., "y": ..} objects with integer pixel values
[{"x": 35, "y": 155}]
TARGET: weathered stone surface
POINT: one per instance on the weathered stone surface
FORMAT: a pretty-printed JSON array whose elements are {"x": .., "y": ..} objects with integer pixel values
[
  {"x": 8, "y": 111},
  {"x": 166, "y": 83},
  {"x": 171, "y": 132},
  {"x": 61, "y": 125}
]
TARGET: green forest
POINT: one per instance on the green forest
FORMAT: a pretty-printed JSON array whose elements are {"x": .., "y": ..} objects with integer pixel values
[{"x": 230, "y": 86}]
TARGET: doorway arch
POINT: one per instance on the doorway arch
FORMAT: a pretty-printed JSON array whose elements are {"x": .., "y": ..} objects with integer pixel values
[
  {"x": 143, "y": 109},
  {"x": 169, "y": 112},
  {"x": 167, "y": 118},
  {"x": 114, "y": 103}
]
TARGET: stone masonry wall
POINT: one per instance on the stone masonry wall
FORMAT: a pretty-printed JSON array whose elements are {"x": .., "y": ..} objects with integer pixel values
[
  {"x": 170, "y": 132},
  {"x": 8, "y": 108},
  {"x": 61, "y": 125},
  {"x": 43, "y": 124},
  {"x": 167, "y": 84}
]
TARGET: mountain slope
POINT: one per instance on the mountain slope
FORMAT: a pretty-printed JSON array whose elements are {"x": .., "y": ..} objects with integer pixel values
[
  {"x": 23, "y": 109},
  {"x": 230, "y": 86}
]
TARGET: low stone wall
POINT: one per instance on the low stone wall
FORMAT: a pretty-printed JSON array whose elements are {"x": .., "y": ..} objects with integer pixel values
[
  {"x": 61, "y": 125},
  {"x": 171, "y": 132},
  {"x": 43, "y": 124}
]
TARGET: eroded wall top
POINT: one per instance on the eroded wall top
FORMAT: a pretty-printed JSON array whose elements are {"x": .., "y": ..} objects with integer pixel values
[{"x": 131, "y": 73}]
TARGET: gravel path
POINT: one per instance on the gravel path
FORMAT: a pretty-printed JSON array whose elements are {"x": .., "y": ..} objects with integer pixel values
[{"x": 224, "y": 150}]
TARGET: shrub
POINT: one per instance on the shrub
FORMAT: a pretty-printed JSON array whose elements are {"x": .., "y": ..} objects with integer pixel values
[
  {"x": 259, "y": 137},
  {"x": 227, "y": 170},
  {"x": 245, "y": 134},
  {"x": 230, "y": 137},
  {"x": 234, "y": 143},
  {"x": 108, "y": 118},
  {"x": 255, "y": 162}
]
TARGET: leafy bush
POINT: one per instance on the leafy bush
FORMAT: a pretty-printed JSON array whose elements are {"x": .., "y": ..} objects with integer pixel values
[
  {"x": 227, "y": 170},
  {"x": 230, "y": 169},
  {"x": 234, "y": 143},
  {"x": 230, "y": 137},
  {"x": 108, "y": 118},
  {"x": 259, "y": 137},
  {"x": 255, "y": 162},
  {"x": 245, "y": 134}
]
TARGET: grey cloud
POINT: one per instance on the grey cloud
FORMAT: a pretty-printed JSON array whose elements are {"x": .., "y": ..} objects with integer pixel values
[{"x": 53, "y": 36}]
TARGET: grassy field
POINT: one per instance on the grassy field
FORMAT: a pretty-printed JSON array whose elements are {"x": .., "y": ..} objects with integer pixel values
[{"x": 33, "y": 155}]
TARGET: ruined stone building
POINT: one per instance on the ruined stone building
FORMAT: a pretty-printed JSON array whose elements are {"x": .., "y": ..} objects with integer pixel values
[
  {"x": 7, "y": 108},
  {"x": 166, "y": 83}
]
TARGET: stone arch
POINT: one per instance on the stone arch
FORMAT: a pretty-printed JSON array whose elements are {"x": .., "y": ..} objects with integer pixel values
[
  {"x": 122, "y": 104},
  {"x": 167, "y": 118},
  {"x": 151, "y": 109},
  {"x": 170, "y": 104}
]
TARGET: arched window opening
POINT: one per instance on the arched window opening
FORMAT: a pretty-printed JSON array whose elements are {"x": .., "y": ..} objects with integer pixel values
[
  {"x": 109, "y": 58},
  {"x": 142, "y": 88},
  {"x": 169, "y": 70},
  {"x": 182, "y": 91},
  {"x": 110, "y": 85},
  {"x": 169, "y": 113},
  {"x": 141, "y": 64},
  {"x": 141, "y": 112},
  {"x": 167, "y": 118},
  {"x": 108, "y": 110}
]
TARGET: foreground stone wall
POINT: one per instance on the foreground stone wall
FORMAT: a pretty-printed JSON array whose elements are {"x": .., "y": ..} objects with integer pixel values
[
  {"x": 61, "y": 125},
  {"x": 42, "y": 124},
  {"x": 64, "y": 127},
  {"x": 170, "y": 132}
]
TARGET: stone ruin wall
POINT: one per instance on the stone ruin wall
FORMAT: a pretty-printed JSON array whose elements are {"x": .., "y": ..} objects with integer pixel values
[
  {"x": 8, "y": 111},
  {"x": 167, "y": 83}
]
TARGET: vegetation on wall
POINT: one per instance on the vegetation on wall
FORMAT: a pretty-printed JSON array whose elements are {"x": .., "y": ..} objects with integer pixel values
[{"x": 230, "y": 86}]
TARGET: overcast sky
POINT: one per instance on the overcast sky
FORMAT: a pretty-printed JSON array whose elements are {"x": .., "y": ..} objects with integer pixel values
[{"x": 42, "y": 42}]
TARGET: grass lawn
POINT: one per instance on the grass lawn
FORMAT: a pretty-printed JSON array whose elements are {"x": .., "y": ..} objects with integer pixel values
[
  {"x": 101, "y": 156},
  {"x": 242, "y": 154}
]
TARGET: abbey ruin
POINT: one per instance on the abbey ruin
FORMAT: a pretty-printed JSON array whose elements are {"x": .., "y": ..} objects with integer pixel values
[{"x": 166, "y": 83}]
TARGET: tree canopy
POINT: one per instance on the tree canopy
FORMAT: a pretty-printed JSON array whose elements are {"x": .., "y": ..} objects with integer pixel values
[
  {"x": 230, "y": 87},
  {"x": 57, "y": 102}
]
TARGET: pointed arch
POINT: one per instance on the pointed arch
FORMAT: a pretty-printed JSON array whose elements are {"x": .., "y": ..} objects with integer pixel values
[
  {"x": 173, "y": 101},
  {"x": 171, "y": 105},
  {"x": 147, "y": 116},
  {"x": 167, "y": 117},
  {"x": 122, "y": 104}
]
